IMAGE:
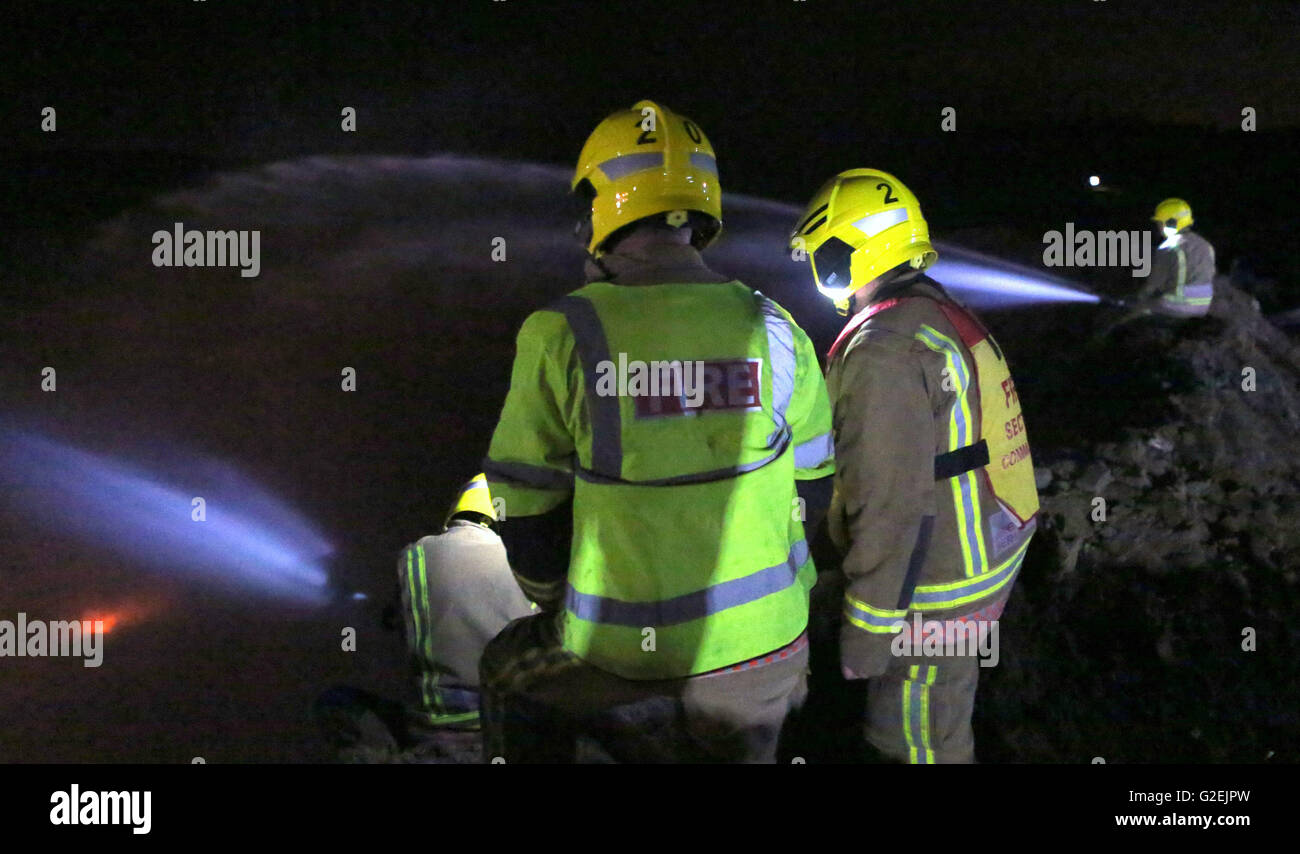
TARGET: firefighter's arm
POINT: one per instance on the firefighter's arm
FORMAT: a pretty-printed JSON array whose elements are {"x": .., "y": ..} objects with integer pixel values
[
  {"x": 529, "y": 465},
  {"x": 809, "y": 416},
  {"x": 1161, "y": 278},
  {"x": 885, "y": 446}
]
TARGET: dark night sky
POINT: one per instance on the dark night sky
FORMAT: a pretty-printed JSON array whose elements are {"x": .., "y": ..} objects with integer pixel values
[
  {"x": 529, "y": 77},
  {"x": 1149, "y": 94}
]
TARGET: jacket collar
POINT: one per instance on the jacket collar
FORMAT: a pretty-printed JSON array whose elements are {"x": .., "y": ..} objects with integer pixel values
[
  {"x": 651, "y": 265},
  {"x": 912, "y": 283}
]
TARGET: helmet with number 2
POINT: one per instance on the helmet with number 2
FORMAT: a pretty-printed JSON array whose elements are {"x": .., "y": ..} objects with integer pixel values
[
  {"x": 645, "y": 162},
  {"x": 860, "y": 224}
]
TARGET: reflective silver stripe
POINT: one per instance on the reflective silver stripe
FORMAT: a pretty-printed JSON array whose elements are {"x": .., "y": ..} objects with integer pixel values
[
  {"x": 526, "y": 474},
  {"x": 1190, "y": 300},
  {"x": 692, "y": 606},
  {"x": 814, "y": 452},
  {"x": 916, "y": 713},
  {"x": 414, "y": 617},
  {"x": 893, "y": 624},
  {"x": 940, "y": 596},
  {"x": 780, "y": 348},
  {"x": 1195, "y": 295},
  {"x": 698, "y": 477},
  {"x": 1185, "y": 308},
  {"x": 626, "y": 164},
  {"x": 961, "y": 425},
  {"x": 593, "y": 348},
  {"x": 878, "y": 222},
  {"x": 705, "y": 161}
]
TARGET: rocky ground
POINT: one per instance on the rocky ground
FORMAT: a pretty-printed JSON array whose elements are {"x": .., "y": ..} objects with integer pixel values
[{"x": 1157, "y": 626}]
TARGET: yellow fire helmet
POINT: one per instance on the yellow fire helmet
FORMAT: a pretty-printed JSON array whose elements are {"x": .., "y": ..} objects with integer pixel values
[
  {"x": 474, "y": 503},
  {"x": 643, "y": 162},
  {"x": 861, "y": 223},
  {"x": 1173, "y": 213}
]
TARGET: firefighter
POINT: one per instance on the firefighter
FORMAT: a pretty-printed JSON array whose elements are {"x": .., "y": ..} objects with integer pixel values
[
  {"x": 1181, "y": 283},
  {"x": 456, "y": 591},
  {"x": 659, "y": 526},
  {"x": 934, "y": 502}
]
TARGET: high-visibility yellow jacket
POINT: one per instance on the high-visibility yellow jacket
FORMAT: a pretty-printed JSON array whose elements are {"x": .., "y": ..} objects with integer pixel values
[
  {"x": 688, "y": 551},
  {"x": 935, "y": 501}
]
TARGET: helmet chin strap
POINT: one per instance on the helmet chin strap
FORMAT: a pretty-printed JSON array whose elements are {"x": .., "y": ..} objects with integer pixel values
[
  {"x": 582, "y": 231},
  {"x": 893, "y": 281},
  {"x": 600, "y": 265}
]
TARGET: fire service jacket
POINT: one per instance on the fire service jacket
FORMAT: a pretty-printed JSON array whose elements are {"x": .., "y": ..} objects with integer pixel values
[
  {"x": 1182, "y": 276},
  {"x": 935, "y": 501}
]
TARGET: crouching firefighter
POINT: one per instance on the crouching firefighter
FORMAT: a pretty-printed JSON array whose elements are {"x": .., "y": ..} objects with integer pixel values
[
  {"x": 935, "y": 501},
  {"x": 456, "y": 592},
  {"x": 666, "y": 434}
]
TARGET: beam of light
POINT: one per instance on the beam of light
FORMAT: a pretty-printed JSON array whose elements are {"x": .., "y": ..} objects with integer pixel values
[
  {"x": 985, "y": 281},
  {"x": 755, "y": 248},
  {"x": 992, "y": 287},
  {"x": 1094, "y": 180},
  {"x": 249, "y": 540}
]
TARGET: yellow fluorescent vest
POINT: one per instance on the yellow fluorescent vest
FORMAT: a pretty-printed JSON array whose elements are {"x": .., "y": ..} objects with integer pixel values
[{"x": 688, "y": 552}]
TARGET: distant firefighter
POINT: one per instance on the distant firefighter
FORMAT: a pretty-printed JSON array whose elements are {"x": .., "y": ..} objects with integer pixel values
[
  {"x": 1181, "y": 283},
  {"x": 665, "y": 436},
  {"x": 935, "y": 502}
]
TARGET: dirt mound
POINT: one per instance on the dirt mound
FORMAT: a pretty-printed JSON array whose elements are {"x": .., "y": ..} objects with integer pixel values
[{"x": 1151, "y": 620}]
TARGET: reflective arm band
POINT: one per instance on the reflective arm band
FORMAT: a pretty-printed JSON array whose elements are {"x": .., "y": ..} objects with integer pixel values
[{"x": 871, "y": 619}]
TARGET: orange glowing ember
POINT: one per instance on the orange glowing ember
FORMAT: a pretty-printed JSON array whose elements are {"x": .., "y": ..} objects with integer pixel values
[
  {"x": 109, "y": 620},
  {"x": 122, "y": 614}
]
